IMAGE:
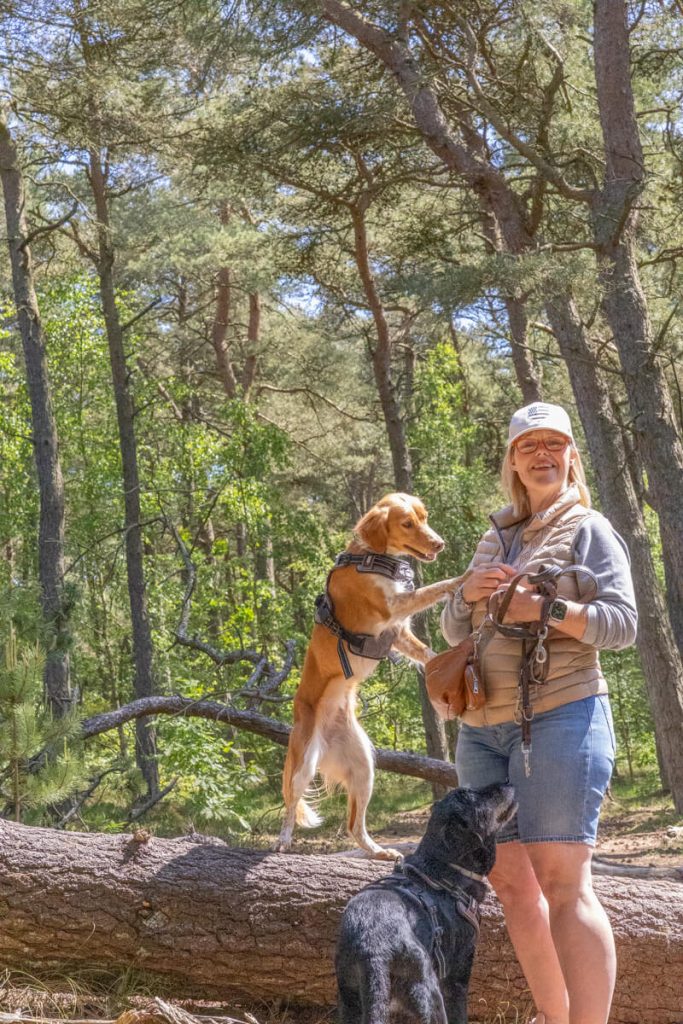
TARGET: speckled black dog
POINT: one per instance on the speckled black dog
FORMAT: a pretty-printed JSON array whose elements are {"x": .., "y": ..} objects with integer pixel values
[{"x": 407, "y": 941}]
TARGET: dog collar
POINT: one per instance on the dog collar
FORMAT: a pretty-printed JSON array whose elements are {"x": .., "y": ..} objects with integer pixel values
[{"x": 468, "y": 874}]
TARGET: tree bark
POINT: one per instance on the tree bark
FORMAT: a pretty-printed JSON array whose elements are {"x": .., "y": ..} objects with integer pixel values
[
  {"x": 253, "y": 339},
  {"x": 221, "y": 321},
  {"x": 615, "y": 220},
  {"x": 44, "y": 431},
  {"x": 525, "y": 369},
  {"x": 381, "y": 356},
  {"x": 208, "y": 921},
  {"x": 143, "y": 652}
]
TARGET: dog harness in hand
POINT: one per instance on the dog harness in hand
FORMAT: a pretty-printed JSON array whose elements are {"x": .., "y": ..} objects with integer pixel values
[
  {"x": 363, "y": 644},
  {"x": 535, "y": 655},
  {"x": 416, "y": 887}
]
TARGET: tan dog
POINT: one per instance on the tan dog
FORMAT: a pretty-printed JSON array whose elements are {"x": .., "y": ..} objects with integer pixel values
[{"x": 326, "y": 735}]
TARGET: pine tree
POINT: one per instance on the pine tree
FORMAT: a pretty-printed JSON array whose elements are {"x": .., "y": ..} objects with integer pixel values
[{"x": 39, "y": 763}]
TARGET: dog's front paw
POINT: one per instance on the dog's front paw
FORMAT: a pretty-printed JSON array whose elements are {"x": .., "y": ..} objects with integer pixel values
[{"x": 281, "y": 846}]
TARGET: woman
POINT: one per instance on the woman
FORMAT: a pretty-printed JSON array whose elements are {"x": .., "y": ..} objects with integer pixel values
[{"x": 542, "y": 876}]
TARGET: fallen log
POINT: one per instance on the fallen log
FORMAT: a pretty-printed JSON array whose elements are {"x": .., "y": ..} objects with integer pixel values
[{"x": 206, "y": 921}]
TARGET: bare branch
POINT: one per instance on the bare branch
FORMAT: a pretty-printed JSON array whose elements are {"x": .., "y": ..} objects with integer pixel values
[
  {"x": 261, "y": 665},
  {"x": 49, "y": 226},
  {"x": 492, "y": 114},
  {"x": 151, "y": 802},
  {"x": 314, "y": 394},
  {"x": 401, "y": 762}
]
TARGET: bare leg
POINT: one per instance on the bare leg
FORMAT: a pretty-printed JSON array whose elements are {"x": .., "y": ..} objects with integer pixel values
[
  {"x": 580, "y": 928},
  {"x": 527, "y": 920}
]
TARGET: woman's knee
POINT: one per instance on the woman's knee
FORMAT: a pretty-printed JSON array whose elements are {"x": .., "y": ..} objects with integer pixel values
[
  {"x": 514, "y": 881},
  {"x": 565, "y": 879}
]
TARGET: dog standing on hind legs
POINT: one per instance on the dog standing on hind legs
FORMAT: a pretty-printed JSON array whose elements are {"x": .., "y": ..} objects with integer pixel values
[{"x": 363, "y": 616}]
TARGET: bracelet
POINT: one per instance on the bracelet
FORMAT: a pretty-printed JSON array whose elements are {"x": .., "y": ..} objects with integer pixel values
[{"x": 461, "y": 599}]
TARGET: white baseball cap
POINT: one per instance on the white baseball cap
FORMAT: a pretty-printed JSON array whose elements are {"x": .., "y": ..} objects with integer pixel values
[{"x": 539, "y": 416}]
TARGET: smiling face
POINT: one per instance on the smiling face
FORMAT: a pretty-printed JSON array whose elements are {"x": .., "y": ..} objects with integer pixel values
[
  {"x": 542, "y": 468},
  {"x": 397, "y": 525}
]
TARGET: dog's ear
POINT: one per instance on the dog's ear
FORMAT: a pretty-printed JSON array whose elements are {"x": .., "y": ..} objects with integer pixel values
[
  {"x": 455, "y": 826},
  {"x": 461, "y": 826},
  {"x": 373, "y": 528}
]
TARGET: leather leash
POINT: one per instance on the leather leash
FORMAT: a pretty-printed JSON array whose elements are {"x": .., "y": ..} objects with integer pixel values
[{"x": 535, "y": 657}]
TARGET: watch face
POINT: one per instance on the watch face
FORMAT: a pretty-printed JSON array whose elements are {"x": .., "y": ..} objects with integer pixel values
[{"x": 558, "y": 610}]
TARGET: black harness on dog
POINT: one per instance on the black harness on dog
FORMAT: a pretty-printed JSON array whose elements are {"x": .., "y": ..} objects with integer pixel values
[
  {"x": 418, "y": 888},
  {"x": 363, "y": 644}
]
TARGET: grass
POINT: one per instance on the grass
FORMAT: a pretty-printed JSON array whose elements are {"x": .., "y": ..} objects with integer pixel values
[{"x": 639, "y": 805}]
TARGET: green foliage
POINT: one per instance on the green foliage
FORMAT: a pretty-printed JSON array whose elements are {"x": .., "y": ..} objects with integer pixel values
[
  {"x": 39, "y": 765},
  {"x": 213, "y": 771},
  {"x": 630, "y": 709},
  {"x": 449, "y": 468}
]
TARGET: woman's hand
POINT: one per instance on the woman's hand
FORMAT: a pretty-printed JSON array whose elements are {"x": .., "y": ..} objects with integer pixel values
[
  {"x": 485, "y": 580},
  {"x": 526, "y": 604}
]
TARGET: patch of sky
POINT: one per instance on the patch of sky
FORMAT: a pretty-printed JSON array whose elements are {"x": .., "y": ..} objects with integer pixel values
[
  {"x": 477, "y": 319},
  {"x": 302, "y": 294}
]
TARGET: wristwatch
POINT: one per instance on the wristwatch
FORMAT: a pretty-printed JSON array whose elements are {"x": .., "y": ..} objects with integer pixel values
[{"x": 558, "y": 609}]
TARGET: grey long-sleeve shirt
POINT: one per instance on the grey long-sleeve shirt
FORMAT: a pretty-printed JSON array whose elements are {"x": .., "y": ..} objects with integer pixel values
[{"x": 612, "y": 617}]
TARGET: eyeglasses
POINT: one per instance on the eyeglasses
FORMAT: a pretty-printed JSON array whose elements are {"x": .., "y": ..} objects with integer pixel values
[{"x": 529, "y": 445}]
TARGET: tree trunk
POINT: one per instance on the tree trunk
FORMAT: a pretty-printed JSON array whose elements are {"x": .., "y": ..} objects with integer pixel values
[
  {"x": 522, "y": 360},
  {"x": 205, "y": 920},
  {"x": 381, "y": 355},
  {"x": 396, "y": 433},
  {"x": 144, "y": 683},
  {"x": 659, "y": 655},
  {"x": 253, "y": 341},
  {"x": 615, "y": 219},
  {"x": 221, "y": 321},
  {"x": 44, "y": 431}
]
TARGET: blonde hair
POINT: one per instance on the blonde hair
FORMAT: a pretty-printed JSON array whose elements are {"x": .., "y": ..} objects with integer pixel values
[{"x": 516, "y": 491}]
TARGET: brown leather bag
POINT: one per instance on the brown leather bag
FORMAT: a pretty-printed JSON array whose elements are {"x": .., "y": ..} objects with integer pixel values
[{"x": 454, "y": 681}]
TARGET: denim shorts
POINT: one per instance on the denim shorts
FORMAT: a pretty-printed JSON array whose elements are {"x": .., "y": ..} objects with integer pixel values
[{"x": 571, "y": 761}]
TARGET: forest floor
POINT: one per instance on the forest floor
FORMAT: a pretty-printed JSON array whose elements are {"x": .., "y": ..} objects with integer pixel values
[
  {"x": 649, "y": 836},
  {"x": 638, "y": 827}
]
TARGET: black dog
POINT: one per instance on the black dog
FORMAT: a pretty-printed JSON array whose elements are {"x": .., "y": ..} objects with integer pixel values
[{"x": 407, "y": 942}]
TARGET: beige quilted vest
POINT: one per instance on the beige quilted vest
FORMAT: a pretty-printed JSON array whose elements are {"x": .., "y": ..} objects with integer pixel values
[{"x": 574, "y": 670}]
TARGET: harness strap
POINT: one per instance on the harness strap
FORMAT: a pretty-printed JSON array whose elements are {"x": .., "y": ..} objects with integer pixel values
[
  {"x": 462, "y": 898},
  {"x": 382, "y": 565},
  {"x": 418, "y": 892},
  {"x": 365, "y": 645}
]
